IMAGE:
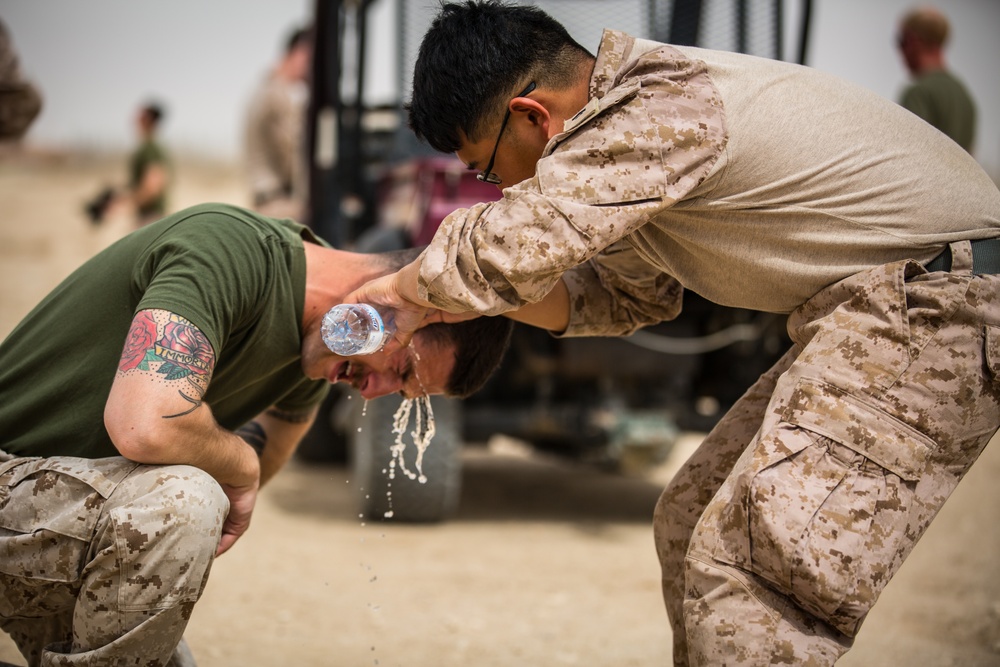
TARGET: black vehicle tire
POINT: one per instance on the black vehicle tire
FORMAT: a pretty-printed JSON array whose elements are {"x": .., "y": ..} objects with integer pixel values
[{"x": 371, "y": 439}]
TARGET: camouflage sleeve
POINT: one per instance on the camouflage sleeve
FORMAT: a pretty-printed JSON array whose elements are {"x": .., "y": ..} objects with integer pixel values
[
  {"x": 621, "y": 162},
  {"x": 617, "y": 292},
  {"x": 20, "y": 100}
]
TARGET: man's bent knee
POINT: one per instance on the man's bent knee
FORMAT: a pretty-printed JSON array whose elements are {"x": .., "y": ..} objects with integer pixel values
[
  {"x": 177, "y": 503},
  {"x": 154, "y": 553}
]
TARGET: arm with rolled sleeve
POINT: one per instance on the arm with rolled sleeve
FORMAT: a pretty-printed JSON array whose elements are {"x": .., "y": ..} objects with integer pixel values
[{"x": 617, "y": 292}]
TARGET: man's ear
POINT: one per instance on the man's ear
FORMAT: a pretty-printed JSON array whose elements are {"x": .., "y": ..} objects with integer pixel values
[{"x": 532, "y": 112}]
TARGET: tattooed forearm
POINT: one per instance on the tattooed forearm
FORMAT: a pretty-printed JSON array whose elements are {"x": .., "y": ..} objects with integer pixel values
[
  {"x": 289, "y": 416},
  {"x": 254, "y": 435}
]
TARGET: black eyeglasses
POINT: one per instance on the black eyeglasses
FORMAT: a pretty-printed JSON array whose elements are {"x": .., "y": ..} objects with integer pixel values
[{"x": 487, "y": 175}]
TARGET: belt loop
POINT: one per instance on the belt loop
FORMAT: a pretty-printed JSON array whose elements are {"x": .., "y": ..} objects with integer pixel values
[{"x": 961, "y": 257}]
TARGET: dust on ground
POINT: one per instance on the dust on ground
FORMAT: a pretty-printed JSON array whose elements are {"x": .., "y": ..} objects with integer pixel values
[{"x": 547, "y": 562}]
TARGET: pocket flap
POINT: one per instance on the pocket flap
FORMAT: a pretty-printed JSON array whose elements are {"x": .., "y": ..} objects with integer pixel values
[
  {"x": 992, "y": 347},
  {"x": 866, "y": 429}
]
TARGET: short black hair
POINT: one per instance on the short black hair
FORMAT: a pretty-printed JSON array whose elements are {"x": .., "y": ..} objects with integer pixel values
[
  {"x": 475, "y": 56},
  {"x": 480, "y": 345}
]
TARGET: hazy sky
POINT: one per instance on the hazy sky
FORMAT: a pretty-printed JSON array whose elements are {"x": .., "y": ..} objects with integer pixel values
[{"x": 95, "y": 60}]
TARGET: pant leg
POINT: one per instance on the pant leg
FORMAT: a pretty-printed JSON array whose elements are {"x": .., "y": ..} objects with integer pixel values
[
  {"x": 182, "y": 656},
  {"x": 693, "y": 486},
  {"x": 891, "y": 401},
  {"x": 121, "y": 550}
]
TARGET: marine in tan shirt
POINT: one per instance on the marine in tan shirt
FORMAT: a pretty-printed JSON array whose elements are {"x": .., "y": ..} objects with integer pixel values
[
  {"x": 274, "y": 133},
  {"x": 650, "y": 169}
]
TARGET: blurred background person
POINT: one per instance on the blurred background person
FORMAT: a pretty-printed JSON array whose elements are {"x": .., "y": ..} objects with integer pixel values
[
  {"x": 275, "y": 155},
  {"x": 20, "y": 101},
  {"x": 149, "y": 168},
  {"x": 149, "y": 175},
  {"x": 935, "y": 94}
]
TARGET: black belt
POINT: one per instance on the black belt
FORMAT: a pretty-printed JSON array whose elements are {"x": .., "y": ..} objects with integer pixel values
[{"x": 985, "y": 257}]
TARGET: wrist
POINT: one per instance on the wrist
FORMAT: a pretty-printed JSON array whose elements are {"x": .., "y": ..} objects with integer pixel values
[
  {"x": 408, "y": 285},
  {"x": 246, "y": 468}
]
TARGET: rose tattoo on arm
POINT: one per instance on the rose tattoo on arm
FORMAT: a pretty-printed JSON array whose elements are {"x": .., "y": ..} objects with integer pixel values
[{"x": 166, "y": 344}]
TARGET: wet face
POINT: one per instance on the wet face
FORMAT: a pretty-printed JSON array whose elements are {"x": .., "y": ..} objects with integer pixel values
[{"x": 421, "y": 369}]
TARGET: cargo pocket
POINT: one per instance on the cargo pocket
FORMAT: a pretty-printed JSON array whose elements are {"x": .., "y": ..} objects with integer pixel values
[
  {"x": 49, "y": 508},
  {"x": 826, "y": 506}
]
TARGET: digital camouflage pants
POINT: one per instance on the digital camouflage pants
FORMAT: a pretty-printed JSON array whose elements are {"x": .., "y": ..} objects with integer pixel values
[
  {"x": 102, "y": 560},
  {"x": 780, "y": 532}
]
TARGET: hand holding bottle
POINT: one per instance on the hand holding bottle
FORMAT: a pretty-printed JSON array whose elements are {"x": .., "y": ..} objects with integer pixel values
[{"x": 395, "y": 293}]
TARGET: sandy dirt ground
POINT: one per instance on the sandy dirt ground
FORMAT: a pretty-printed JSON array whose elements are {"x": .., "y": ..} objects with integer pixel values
[{"x": 547, "y": 562}]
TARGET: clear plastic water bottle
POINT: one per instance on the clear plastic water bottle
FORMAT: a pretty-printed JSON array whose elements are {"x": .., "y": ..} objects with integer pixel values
[{"x": 355, "y": 328}]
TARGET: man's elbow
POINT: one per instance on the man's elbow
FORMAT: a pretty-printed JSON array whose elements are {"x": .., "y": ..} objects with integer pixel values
[{"x": 136, "y": 436}]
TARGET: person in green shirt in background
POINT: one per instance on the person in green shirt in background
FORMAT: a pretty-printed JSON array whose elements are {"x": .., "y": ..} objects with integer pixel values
[
  {"x": 149, "y": 168},
  {"x": 935, "y": 94},
  {"x": 148, "y": 179}
]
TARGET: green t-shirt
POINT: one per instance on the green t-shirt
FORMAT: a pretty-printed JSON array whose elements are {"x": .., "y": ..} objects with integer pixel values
[
  {"x": 237, "y": 276},
  {"x": 944, "y": 102},
  {"x": 147, "y": 154}
]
